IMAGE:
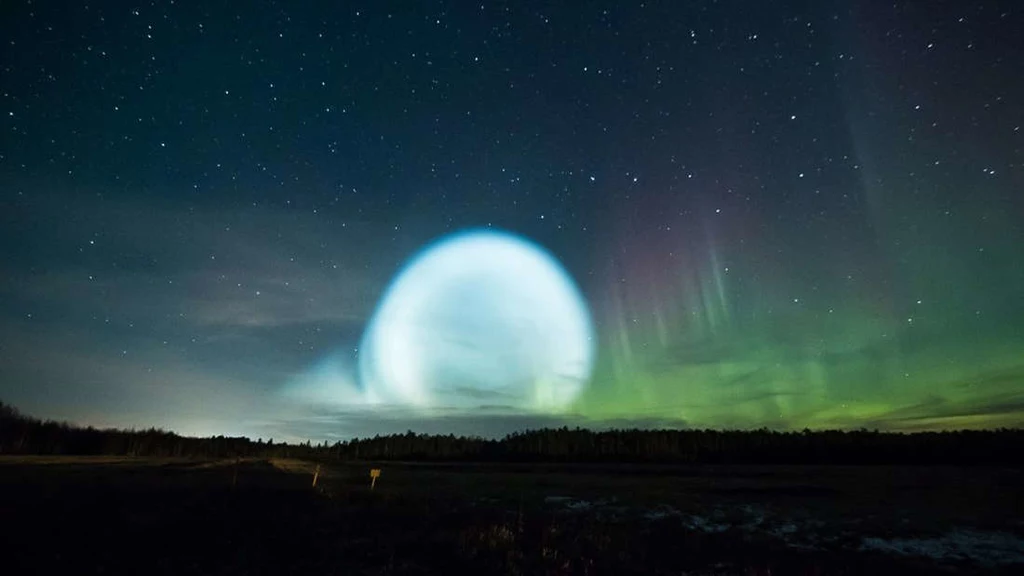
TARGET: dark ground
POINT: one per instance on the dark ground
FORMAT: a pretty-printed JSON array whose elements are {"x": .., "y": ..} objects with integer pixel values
[{"x": 125, "y": 516}]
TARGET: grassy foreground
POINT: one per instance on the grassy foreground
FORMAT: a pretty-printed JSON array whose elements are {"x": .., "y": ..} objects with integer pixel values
[{"x": 176, "y": 516}]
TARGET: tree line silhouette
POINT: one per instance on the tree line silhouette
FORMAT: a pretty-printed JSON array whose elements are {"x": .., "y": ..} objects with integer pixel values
[{"x": 20, "y": 434}]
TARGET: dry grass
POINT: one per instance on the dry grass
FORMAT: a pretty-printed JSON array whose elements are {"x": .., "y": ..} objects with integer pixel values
[
  {"x": 88, "y": 460},
  {"x": 293, "y": 466},
  {"x": 255, "y": 516}
]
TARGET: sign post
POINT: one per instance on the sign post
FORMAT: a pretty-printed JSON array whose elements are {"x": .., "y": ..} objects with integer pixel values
[{"x": 374, "y": 474}]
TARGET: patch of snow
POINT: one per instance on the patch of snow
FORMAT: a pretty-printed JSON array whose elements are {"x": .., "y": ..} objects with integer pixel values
[
  {"x": 986, "y": 548},
  {"x": 755, "y": 517},
  {"x": 704, "y": 525},
  {"x": 570, "y": 503},
  {"x": 578, "y": 505},
  {"x": 661, "y": 512}
]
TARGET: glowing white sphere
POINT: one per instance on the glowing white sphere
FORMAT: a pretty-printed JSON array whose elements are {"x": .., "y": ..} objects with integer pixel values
[{"x": 480, "y": 318}]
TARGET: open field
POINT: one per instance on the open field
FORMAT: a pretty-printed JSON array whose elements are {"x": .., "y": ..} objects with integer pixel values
[{"x": 122, "y": 515}]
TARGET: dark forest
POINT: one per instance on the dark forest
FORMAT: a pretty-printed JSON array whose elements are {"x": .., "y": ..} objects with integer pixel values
[{"x": 21, "y": 434}]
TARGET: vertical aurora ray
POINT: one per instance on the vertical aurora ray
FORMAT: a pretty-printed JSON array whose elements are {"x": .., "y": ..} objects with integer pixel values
[{"x": 885, "y": 320}]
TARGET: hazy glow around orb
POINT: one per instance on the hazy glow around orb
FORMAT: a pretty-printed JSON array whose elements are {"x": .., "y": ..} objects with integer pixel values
[{"x": 479, "y": 318}]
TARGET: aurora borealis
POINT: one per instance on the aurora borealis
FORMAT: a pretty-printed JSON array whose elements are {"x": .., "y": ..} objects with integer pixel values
[{"x": 804, "y": 214}]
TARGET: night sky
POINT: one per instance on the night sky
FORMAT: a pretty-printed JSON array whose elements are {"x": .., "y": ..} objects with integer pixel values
[{"x": 789, "y": 215}]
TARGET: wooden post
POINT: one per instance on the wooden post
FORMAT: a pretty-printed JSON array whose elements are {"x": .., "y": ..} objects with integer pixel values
[
  {"x": 316, "y": 475},
  {"x": 374, "y": 474}
]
